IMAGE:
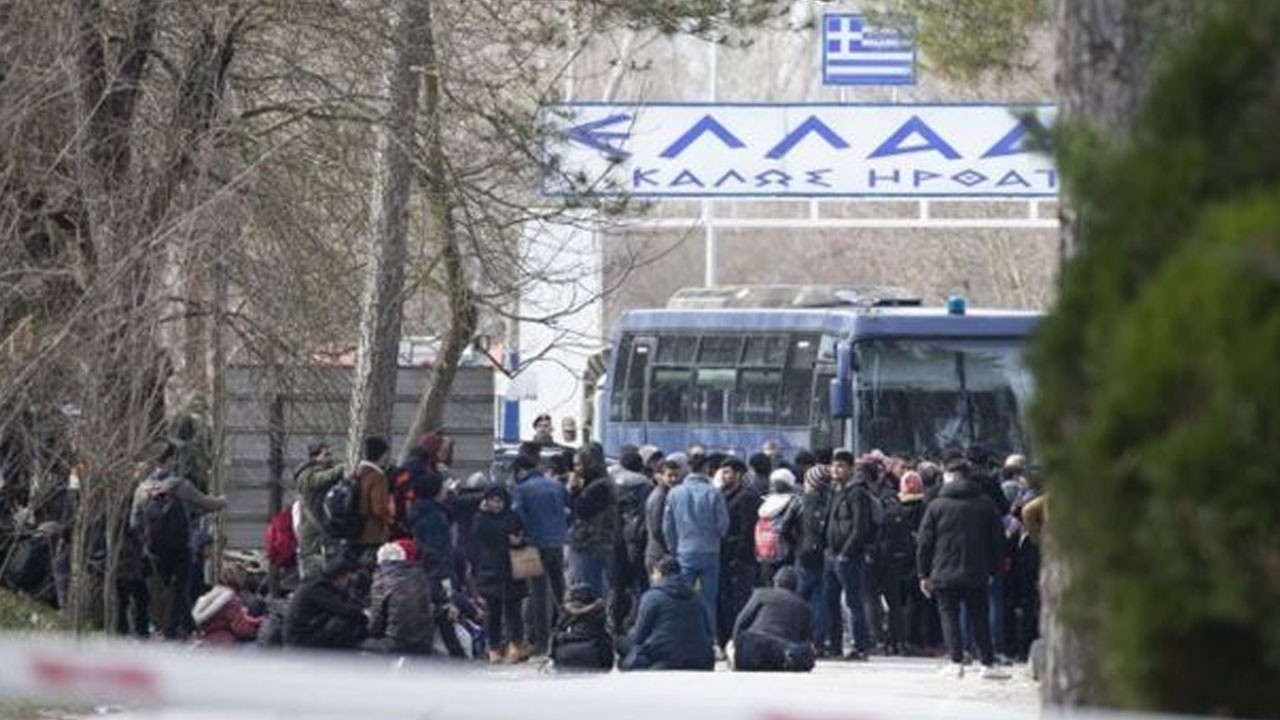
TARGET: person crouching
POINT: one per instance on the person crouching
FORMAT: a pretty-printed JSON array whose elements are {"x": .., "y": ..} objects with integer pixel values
[
  {"x": 400, "y": 620},
  {"x": 222, "y": 620},
  {"x": 494, "y": 532},
  {"x": 672, "y": 629},
  {"x": 773, "y": 630},
  {"x": 581, "y": 639}
]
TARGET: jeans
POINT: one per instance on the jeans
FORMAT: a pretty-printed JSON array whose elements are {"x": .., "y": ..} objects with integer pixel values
[
  {"x": 737, "y": 582},
  {"x": 590, "y": 568},
  {"x": 975, "y": 602},
  {"x": 848, "y": 573},
  {"x": 832, "y": 611},
  {"x": 702, "y": 572},
  {"x": 995, "y": 614},
  {"x": 812, "y": 590},
  {"x": 546, "y": 594}
]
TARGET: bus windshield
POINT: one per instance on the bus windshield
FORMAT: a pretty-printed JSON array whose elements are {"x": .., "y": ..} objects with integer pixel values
[{"x": 919, "y": 398}]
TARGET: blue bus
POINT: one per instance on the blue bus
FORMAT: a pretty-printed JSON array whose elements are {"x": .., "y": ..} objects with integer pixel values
[{"x": 816, "y": 366}]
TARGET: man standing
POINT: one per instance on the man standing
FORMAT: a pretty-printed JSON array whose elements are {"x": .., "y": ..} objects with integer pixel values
[
  {"x": 811, "y": 548},
  {"x": 164, "y": 506},
  {"x": 542, "y": 504},
  {"x": 656, "y": 543},
  {"x": 849, "y": 536},
  {"x": 693, "y": 522},
  {"x": 738, "y": 570},
  {"x": 375, "y": 499},
  {"x": 958, "y": 554},
  {"x": 593, "y": 528},
  {"x": 311, "y": 481}
]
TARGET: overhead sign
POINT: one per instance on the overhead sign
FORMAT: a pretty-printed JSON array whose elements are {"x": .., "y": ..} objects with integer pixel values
[
  {"x": 854, "y": 53},
  {"x": 798, "y": 151}
]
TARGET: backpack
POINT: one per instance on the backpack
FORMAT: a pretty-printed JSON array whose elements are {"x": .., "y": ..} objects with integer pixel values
[
  {"x": 166, "y": 529},
  {"x": 635, "y": 533},
  {"x": 340, "y": 509},
  {"x": 897, "y": 538},
  {"x": 403, "y": 494},
  {"x": 280, "y": 541},
  {"x": 772, "y": 545}
]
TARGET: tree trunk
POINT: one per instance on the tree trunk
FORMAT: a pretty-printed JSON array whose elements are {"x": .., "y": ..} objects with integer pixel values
[
  {"x": 463, "y": 314},
  {"x": 373, "y": 393},
  {"x": 1107, "y": 52}
]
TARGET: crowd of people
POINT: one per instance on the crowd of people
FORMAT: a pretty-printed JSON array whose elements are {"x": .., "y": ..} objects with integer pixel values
[{"x": 658, "y": 561}]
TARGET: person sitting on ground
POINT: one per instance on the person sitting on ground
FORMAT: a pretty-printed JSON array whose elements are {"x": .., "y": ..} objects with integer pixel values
[
  {"x": 672, "y": 630},
  {"x": 773, "y": 631},
  {"x": 400, "y": 619},
  {"x": 221, "y": 618},
  {"x": 581, "y": 639},
  {"x": 321, "y": 615}
]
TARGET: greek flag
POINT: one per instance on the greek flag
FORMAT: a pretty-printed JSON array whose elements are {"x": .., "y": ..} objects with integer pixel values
[{"x": 855, "y": 54}]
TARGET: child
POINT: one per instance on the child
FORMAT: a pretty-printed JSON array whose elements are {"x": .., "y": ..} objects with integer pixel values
[{"x": 494, "y": 532}]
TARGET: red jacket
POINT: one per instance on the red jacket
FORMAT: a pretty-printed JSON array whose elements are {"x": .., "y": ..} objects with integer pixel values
[{"x": 230, "y": 625}]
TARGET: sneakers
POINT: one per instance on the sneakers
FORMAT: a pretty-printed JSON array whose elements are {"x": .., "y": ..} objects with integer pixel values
[
  {"x": 995, "y": 672},
  {"x": 952, "y": 669}
]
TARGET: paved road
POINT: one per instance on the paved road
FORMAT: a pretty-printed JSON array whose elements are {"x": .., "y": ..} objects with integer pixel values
[{"x": 883, "y": 689}]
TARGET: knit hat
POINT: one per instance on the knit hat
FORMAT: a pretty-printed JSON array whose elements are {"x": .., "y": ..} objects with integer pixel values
[
  {"x": 819, "y": 475},
  {"x": 391, "y": 552},
  {"x": 409, "y": 547},
  {"x": 912, "y": 487},
  {"x": 782, "y": 478},
  {"x": 210, "y": 603}
]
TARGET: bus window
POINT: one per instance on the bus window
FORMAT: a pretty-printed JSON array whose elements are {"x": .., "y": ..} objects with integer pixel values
[
  {"x": 822, "y": 428},
  {"x": 676, "y": 350},
  {"x": 757, "y": 397},
  {"x": 767, "y": 351},
  {"x": 669, "y": 395},
  {"x": 713, "y": 394},
  {"x": 797, "y": 383},
  {"x": 719, "y": 351},
  {"x": 618, "y": 396}
]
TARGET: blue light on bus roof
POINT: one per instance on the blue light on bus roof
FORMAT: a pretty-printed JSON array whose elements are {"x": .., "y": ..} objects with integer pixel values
[{"x": 956, "y": 305}]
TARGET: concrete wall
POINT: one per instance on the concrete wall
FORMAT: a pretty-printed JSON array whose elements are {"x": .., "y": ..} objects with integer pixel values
[{"x": 313, "y": 407}]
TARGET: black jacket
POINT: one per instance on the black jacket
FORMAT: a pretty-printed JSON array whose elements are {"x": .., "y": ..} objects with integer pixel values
[
  {"x": 739, "y": 543},
  {"x": 850, "y": 520},
  {"x": 672, "y": 628},
  {"x": 321, "y": 616},
  {"x": 775, "y": 612},
  {"x": 812, "y": 538},
  {"x": 656, "y": 546},
  {"x": 492, "y": 550},
  {"x": 400, "y": 607},
  {"x": 594, "y": 520},
  {"x": 581, "y": 639},
  {"x": 960, "y": 538}
]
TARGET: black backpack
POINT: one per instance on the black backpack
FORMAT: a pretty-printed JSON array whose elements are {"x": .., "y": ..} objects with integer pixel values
[
  {"x": 340, "y": 510},
  {"x": 166, "y": 529},
  {"x": 897, "y": 538}
]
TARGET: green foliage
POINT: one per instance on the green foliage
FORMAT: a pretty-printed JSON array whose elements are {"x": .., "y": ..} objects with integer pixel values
[
  {"x": 966, "y": 38},
  {"x": 1159, "y": 392},
  {"x": 19, "y": 613}
]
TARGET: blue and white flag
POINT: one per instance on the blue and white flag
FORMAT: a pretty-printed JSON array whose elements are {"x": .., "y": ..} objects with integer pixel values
[{"x": 855, "y": 54}]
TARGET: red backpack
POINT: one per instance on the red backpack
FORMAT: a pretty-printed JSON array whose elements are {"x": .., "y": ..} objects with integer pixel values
[
  {"x": 771, "y": 547},
  {"x": 281, "y": 542}
]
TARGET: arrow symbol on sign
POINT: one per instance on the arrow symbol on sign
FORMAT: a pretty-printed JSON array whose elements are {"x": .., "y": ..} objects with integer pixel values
[{"x": 590, "y": 134}]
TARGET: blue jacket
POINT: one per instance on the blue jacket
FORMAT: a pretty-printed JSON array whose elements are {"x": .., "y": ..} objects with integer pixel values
[
  {"x": 695, "y": 518},
  {"x": 542, "y": 505},
  {"x": 672, "y": 630}
]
